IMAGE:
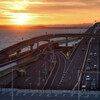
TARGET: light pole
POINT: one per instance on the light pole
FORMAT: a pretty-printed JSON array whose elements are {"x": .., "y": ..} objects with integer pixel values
[
  {"x": 12, "y": 85},
  {"x": 45, "y": 70},
  {"x": 39, "y": 78}
]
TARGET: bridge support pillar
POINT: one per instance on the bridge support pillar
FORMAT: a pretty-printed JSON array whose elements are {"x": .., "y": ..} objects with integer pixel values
[
  {"x": 66, "y": 41},
  {"x": 31, "y": 47},
  {"x": 21, "y": 72},
  {"x": 49, "y": 44},
  {"x": 37, "y": 44},
  {"x": 18, "y": 53}
]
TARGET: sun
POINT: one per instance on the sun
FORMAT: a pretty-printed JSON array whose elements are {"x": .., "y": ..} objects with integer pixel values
[{"x": 20, "y": 18}]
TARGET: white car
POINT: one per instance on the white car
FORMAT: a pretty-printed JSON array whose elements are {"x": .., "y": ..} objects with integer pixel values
[
  {"x": 87, "y": 77},
  {"x": 95, "y": 54},
  {"x": 91, "y": 53},
  {"x": 95, "y": 67},
  {"x": 83, "y": 87}
]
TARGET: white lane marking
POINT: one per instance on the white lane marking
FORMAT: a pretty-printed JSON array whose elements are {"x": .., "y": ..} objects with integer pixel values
[
  {"x": 65, "y": 65},
  {"x": 55, "y": 95},
  {"x": 63, "y": 74},
  {"x": 96, "y": 96},
  {"x": 24, "y": 94},
  {"x": 64, "y": 95},
  {"x": 18, "y": 93},
  {"x": 27, "y": 79},
  {"x": 40, "y": 94},
  {"x": 72, "y": 95},
  {"x": 32, "y": 94},
  {"x": 56, "y": 72},
  {"x": 48, "y": 95}
]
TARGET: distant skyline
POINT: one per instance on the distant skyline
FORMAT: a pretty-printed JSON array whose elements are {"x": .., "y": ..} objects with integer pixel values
[{"x": 49, "y": 12}]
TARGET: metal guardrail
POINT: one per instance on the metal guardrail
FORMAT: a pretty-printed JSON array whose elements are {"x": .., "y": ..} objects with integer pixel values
[{"x": 49, "y": 91}]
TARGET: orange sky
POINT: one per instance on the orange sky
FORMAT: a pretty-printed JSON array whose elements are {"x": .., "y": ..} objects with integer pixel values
[{"x": 33, "y": 12}]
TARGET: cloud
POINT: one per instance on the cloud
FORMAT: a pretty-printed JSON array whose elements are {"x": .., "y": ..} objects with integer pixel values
[{"x": 47, "y": 8}]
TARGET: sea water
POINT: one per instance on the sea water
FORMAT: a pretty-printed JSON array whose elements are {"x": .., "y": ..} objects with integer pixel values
[{"x": 10, "y": 37}]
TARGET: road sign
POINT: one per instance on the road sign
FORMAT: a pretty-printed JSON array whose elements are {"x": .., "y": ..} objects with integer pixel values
[{"x": 67, "y": 53}]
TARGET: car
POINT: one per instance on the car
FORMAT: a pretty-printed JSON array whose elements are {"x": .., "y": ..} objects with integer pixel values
[
  {"x": 89, "y": 60},
  {"x": 95, "y": 54},
  {"x": 88, "y": 68},
  {"x": 83, "y": 88},
  {"x": 91, "y": 53},
  {"x": 83, "y": 49},
  {"x": 87, "y": 77},
  {"x": 95, "y": 67}
]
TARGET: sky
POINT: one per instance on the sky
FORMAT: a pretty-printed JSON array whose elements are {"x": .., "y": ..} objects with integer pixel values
[{"x": 48, "y": 12}]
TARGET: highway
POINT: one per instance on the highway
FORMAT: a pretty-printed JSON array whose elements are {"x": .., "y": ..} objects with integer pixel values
[
  {"x": 53, "y": 71},
  {"x": 53, "y": 75},
  {"x": 91, "y": 81}
]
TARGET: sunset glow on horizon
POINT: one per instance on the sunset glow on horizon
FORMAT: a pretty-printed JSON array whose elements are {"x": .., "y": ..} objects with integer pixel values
[{"x": 46, "y": 12}]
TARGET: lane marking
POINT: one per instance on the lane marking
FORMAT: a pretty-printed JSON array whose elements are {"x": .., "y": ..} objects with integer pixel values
[
  {"x": 27, "y": 79},
  {"x": 56, "y": 72}
]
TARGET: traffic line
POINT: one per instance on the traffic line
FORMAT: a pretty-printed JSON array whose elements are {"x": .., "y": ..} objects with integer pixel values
[
  {"x": 48, "y": 95},
  {"x": 56, "y": 73},
  {"x": 27, "y": 79},
  {"x": 32, "y": 94}
]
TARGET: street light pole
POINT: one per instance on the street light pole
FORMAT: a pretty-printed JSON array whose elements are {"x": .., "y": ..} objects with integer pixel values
[
  {"x": 12, "y": 84},
  {"x": 45, "y": 70},
  {"x": 39, "y": 79}
]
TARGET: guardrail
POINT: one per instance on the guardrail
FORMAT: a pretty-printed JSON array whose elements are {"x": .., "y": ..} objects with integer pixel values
[{"x": 49, "y": 91}]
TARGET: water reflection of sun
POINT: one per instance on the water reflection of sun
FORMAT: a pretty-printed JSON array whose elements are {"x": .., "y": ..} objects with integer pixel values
[{"x": 20, "y": 18}]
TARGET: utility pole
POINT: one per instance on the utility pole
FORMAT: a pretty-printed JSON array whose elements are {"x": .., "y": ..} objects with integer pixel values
[
  {"x": 12, "y": 85},
  {"x": 39, "y": 79},
  {"x": 45, "y": 70}
]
